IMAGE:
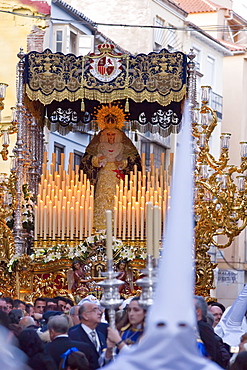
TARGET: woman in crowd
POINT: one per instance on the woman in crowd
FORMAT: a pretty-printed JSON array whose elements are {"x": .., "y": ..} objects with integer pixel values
[
  {"x": 32, "y": 345},
  {"x": 130, "y": 333}
]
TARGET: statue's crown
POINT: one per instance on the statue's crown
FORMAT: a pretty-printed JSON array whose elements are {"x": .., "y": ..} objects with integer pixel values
[{"x": 110, "y": 116}]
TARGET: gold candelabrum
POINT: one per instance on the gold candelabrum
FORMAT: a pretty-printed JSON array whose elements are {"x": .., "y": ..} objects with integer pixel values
[
  {"x": 7, "y": 206},
  {"x": 12, "y": 126},
  {"x": 220, "y": 193}
]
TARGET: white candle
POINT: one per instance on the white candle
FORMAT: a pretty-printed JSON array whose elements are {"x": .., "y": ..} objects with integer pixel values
[
  {"x": 142, "y": 223},
  {"x": 45, "y": 222},
  {"x": 121, "y": 185},
  {"x": 59, "y": 218},
  {"x": 41, "y": 217},
  {"x": 54, "y": 223},
  {"x": 149, "y": 228},
  {"x": 77, "y": 219},
  {"x": 129, "y": 218},
  {"x": 50, "y": 218},
  {"x": 89, "y": 221},
  {"x": 81, "y": 221},
  {"x": 86, "y": 218},
  {"x": 133, "y": 223},
  {"x": 49, "y": 190},
  {"x": 137, "y": 211},
  {"x": 36, "y": 223},
  {"x": 115, "y": 223},
  {"x": 124, "y": 222},
  {"x": 63, "y": 223},
  {"x": 72, "y": 217},
  {"x": 119, "y": 219},
  {"x": 156, "y": 231},
  {"x": 67, "y": 219},
  {"x": 91, "y": 203},
  {"x": 109, "y": 234}
]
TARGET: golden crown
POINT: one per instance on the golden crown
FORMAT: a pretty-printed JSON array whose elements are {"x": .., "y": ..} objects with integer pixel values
[
  {"x": 110, "y": 116},
  {"x": 106, "y": 47}
]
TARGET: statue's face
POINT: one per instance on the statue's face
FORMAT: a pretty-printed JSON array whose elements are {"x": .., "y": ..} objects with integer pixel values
[
  {"x": 121, "y": 266},
  {"x": 111, "y": 137},
  {"x": 77, "y": 266}
]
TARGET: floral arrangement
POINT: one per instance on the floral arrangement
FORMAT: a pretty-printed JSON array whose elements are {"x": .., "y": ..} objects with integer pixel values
[{"x": 82, "y": 251}]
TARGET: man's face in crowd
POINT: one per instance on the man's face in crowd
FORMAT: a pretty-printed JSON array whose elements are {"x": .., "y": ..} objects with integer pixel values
[
  {"x": 3, "y": 306},
  {"x": 61, "y": 304},
  {"x": 9, "y": 307},
  {"x": 39, "y": 307},
  {"x": 217, "y": 314},
  {"x": 75, "y": 317},
  {"x": 21, "y": 306},
  {"x": 92, "y": 314}
]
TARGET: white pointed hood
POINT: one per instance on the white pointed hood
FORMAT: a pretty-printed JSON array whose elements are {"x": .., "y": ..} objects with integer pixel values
[
  {"x": 170, "y": 341},
  {"x": 233, "y": 323}
]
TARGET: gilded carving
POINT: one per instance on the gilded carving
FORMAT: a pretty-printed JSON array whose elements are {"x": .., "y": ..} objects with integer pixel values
[{"x": 156, "y": 77}]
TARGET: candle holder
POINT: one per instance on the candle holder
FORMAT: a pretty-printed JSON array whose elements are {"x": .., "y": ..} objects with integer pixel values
[
  {"x": 148, "y": 283},
  {"x": 111, "y": 297}
]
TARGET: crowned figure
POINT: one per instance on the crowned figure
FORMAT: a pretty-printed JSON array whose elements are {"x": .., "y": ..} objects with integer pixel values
[{"x": 108, "y": 158}]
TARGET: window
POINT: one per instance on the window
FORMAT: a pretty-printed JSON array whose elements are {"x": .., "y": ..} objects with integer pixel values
[
  {"x": 69, "y": 39},
  {"x": 58, "y": 149},
  {"x": 210, "y": 71},
  {"x": 145, "y": 148},
  {"x": 86, "y": 44},
  {"x": 148, "y": 147},
  {"x": 59, "y": 41},
  {"x": 197, "y": 59},
  {"x": 158, "y": 33},
  {"x": 73, "y": 43},
  {"x": 77, "y": 158},
  {"x": 171, "y": 38}
]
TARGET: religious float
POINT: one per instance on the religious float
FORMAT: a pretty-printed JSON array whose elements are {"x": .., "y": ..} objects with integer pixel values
[{"x": 56, "y": 237}]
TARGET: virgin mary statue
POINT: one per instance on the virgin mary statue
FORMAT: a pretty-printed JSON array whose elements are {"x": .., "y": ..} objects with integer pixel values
[{"x": 108, "y": 158}]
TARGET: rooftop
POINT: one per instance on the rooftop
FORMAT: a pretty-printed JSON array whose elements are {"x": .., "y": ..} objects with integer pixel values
[
  {"x": 40, "y": 6},
  {"x": 198, "y": 6},
  {"x": 234, "y": 47},
  {"x": 75, "y": 12}
]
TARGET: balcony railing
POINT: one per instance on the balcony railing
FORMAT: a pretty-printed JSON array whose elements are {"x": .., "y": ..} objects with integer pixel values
[{"x": 216, "y": 103}]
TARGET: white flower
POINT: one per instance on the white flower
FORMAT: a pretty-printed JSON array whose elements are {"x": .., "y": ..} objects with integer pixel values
[
  {"x": 84, "y": 249},
  {"x": 143, "y": 255}
]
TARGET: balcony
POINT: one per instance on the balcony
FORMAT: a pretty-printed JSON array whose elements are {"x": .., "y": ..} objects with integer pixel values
[{"x": 216, "y": 103}]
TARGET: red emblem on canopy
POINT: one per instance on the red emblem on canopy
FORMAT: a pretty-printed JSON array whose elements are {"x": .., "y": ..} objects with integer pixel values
[{"x": 107, "y": 67}]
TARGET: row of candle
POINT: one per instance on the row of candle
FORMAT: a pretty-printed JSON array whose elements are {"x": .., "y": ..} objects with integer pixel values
[
  {"x": 131, "y": 199},
  {"x": 153, "y": 231},
  {"x": 65, "y": 203},
  {"x": 71, "y": 222}
]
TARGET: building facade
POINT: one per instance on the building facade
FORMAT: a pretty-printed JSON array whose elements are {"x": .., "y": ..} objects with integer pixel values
[{"x": 220, "y": 19}]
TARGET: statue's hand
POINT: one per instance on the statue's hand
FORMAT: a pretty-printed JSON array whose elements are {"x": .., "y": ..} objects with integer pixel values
[{"x": 120, "y": 165}]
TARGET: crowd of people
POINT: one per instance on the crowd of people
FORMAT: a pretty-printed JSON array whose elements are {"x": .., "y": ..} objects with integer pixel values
[{"x": 55, "y": 333}]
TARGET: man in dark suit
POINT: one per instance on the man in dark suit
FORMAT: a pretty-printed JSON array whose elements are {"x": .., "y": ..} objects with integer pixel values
[
  {"x": 87, "y": 331},
  {"x": 58, "y": 328}
]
